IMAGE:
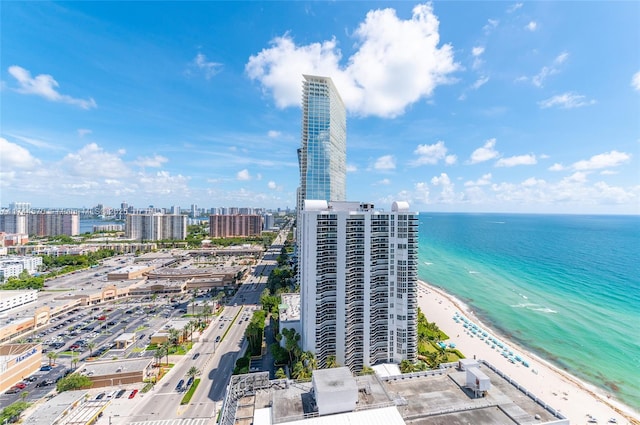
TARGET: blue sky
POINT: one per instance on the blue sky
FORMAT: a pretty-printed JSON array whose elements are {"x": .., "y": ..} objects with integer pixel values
[{"x": 454, "y": 106}]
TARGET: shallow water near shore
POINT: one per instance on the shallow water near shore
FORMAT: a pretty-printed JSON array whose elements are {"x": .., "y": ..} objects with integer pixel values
[{"x": 566, "y": 287}]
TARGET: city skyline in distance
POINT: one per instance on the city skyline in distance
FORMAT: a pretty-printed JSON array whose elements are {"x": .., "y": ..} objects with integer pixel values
[{"x": 460, "y": 107}]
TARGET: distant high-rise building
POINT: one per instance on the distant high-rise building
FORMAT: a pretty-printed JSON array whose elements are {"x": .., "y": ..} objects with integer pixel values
[
  {"x": 53, "y": 223},
  {"x": 175, "y": 209},
  {"x": 358, "y": 271},
  {"x": 224, "y": 226},
  {"x": 13, "y": 223},
  {"x": 194, "y": 211},
  {"x": 156, "y": 226},
  {"x": 269, "y": 221},
  {"x": 323, "y": 153},
  {"x": 19, "y": 207}
]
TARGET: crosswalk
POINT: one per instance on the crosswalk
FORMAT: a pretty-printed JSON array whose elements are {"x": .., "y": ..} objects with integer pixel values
[{"x": 184, "y": 421}]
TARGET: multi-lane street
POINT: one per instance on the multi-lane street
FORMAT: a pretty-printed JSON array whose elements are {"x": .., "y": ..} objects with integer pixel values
[{"x": 217, "y": 351}]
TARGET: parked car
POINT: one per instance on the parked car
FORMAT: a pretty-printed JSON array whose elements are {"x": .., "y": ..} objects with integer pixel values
[
  {"x": 100, "y": 396},
  {"x": 44, "y": 383},
  {"x": 12, "y": 390},
  {"x": 180, "y": 385},
  {"x": 196, "y": 355},
  {"x": 46, "y": 368},
  {"x": 189, "y": 382},
  {"x": 21, "y": 385},
  {"x": 133, "y": 393}
]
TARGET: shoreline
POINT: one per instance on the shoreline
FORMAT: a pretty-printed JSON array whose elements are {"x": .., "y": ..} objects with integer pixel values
[{"x": 576, "y": 399}]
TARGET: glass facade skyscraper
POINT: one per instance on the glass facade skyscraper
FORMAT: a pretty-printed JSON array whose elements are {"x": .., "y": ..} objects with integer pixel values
[{"x": 323, "y": 154}]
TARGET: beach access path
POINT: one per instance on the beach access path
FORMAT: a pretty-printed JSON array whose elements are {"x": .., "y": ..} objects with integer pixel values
[{"x": 575, "y": 399}]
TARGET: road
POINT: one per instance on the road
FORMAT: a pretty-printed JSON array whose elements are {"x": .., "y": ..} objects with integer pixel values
[{"x": 216, "y": 360}]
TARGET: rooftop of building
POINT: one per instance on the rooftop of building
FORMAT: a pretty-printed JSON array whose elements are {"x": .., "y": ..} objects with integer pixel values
[
  {"x": 52, "y": 409},
  {"x": 112, "y": 367},
  {"x": 289, "y": 310},
  {"x": 15, "y": 292},
  {"x": 425, "y": 398}
]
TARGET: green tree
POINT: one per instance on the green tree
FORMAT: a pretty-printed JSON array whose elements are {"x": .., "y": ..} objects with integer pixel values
[
  {"x": 406, "y": 366},
  {"x": 165, "y": 349},
  {"x": 174, "y": 337},
  {"x": 280, "y": 374},
  {"x": 73, "y": 382},
  {"x": 158, "y": 354},
  {"x": 193, "y": 372},
  {"x": 13, "y": 411},
  {"x": 366, "y": 370},
  {"x": 206, "y": 312},
  {"x": 91, "y": 345},
  {"x": 332, "y": 362},
  {"x": 52, "y": 355}
]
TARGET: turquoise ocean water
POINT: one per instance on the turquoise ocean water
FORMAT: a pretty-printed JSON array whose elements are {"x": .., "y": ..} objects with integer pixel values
[{"x": 566, "y": 287}]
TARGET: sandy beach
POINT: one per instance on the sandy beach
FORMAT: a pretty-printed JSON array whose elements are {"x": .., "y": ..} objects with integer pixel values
[{"x": 577, "y": 400}]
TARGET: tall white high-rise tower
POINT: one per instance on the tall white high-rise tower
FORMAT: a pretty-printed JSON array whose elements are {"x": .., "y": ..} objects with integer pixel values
[
  {"x": 323, "y": 153},
  {"x": 358, "y": 270}
]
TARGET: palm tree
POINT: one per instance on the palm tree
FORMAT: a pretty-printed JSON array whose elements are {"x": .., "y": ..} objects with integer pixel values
[
  {"x": 280, "y": 374},
  {"x": 193, "y": 326},
  {"x": 332, "y": 362},
  {"x": 406, "y": 366},
  {"x": 74, "y": 360},
  {"x": 193, "y": 301},
  {"x": 193, "y": 372},
  {"x": 165, "y": 349},
  {"x": 52, "y": 355},
  {"x": 174, "y": 337},
  {"x": 206, "y": 312},
  {"x": 23, "y": 395},
  {"x": 158, "y": 354},
  {"x": 91, "y": 345}
]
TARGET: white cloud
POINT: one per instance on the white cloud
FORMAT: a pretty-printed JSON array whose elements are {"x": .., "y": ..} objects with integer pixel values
[
  {"x": 491, "y": 25},
  {"x": 531, "y": 26},
  {"x": 273, "y": 134},
  {"x": 608, "y": 172},
  {"x": 209, "y": 68},
  {"x": 448, "y": 194},
  {"x": 603, "y": 160},
  {"x": 421, "y": 192},
  {"x": 477, "y": 51},
  {"x": 485, "y": 153},
  {"x": 556, "y": 167},
  {"x": 546, "y": 71},
  {"x": 450, "y": 159},
  {"x": 243, "y": 175},
  {"x": 429, "y": 154},
  {"x": 477, "y": 60},
  {"x": 384, "y": 182},
  {"x": 482, "y": 181},
  {"x": 635, "y": 81},
  {"x": 397, "y": 62},
  {"x": 272, "y": 185},
  {"x": 513, "y": 161},
  {"x": 94, "y": 162},
  {"x": 514, "y": 7},
  {"x": 45, "y": 85},
  {"x": 480, "y": 82},
  {"x": 566, "y": 100},
  {"x": 15, "y": 156},
  {"x": 352, "y": 168},
  {"x": 154, "y": 161},
  {"x": 386, "y": 162},
  {"x": 83, "y": 132}
]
